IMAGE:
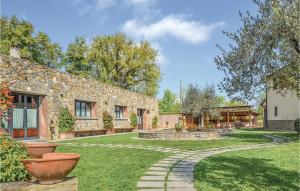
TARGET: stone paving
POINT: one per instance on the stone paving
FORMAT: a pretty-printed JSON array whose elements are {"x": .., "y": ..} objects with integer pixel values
[{"x": 176, "y": 172}]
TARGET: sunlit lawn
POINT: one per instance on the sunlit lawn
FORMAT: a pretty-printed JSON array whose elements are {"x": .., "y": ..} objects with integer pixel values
[{"x": 275, "y": 169}]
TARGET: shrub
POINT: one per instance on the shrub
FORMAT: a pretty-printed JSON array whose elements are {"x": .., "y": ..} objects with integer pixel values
[
  {"x": 155, "y": 122},
  {"x": 6, "y": 100},
  {"x": 238, "y": 124},
  {"x": 66, "y": 121},
  {"x": 107, "y": 120},
  {"x": 178, "y": 127},
  {"x": 11, "y": 168},
  {"x": 133, "y": 120},
  {"x": 297, "y": 125}
]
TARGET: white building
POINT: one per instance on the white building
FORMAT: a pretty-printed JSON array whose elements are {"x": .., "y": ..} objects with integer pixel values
[{"x": 281, "y": 110}]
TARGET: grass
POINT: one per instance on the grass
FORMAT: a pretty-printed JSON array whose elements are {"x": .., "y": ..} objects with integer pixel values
[
  {"x": 106, "y": 169},
  {"x": 239, "y": 137},
  {"x": 275, "y": 168}
]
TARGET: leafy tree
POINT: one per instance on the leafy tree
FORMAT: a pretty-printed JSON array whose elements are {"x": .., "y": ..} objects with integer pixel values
[
  {"x": 38, "y": 48},
  {"x": 76, "y": 59},
  {"x": 265, "y": 49},
  {"x": 119, "y": 61},
  {"x": 169, "y": 102},
  {"x": 199, "y": 101}
]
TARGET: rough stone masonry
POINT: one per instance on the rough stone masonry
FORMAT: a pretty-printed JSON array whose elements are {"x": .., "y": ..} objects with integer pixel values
[{"x": 58, "y": 89}]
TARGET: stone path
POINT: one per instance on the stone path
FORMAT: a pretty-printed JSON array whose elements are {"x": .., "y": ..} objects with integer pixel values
[{"x": 176, "y": 172}]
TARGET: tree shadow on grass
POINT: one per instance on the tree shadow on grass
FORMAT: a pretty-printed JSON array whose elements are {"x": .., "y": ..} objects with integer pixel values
[
  {"x": 249, "y": 137},
  {"x": 240, "y": 173}
]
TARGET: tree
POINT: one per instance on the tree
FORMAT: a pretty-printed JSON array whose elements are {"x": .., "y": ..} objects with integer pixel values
[
  {"x": 37, "y": 48},
  {"x": 265, "y": 51},
  {"x": 119, "y": 61},
  {"x": 199, "y": 101},
  {"x": 169, "y": 102},
  {"x": 76, "y": 59}
]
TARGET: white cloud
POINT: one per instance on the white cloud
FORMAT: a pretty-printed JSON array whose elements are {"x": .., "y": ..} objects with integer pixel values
[
  {"x": 177, "y": 26},
  {"x": 161, "y": 58},
  {"x": 104, "y": 4}
]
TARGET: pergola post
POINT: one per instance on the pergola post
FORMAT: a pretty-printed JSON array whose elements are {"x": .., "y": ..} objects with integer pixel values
[
  {"x": 227, "y": 124},
  {"x": 249, "y": 118}
]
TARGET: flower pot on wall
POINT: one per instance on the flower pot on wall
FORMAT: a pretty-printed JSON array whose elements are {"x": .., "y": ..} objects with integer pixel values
[{"x": 69, "y": 135}]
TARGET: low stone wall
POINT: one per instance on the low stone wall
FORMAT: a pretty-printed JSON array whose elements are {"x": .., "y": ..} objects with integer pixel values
[
  {"x": 287, "y": 125},
  {"x": 172, "y": 135},
  {"x": 71, "y": 184}
]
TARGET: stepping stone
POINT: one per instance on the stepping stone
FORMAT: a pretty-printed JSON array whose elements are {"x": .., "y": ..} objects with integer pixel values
[
  {"x": 186, "y": 178},
  {"x": 181, "y": 189},
  {"x": 163, "y": 165},
  {"x": 179, "y": 184},
  {"x": 181, "y": 174},
  {"x": 151, "y": 189},
  {"x": 161, "y": 178},
  {"x": 159, "y": 173},
  {"x": 159, "y": 168},
  {"x": 150, "y": 184},
  {"x": 176, "y": 169}
]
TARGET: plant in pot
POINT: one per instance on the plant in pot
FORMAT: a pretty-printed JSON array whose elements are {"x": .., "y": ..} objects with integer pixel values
[
  {"x": 133, "y": 120},
  {"x": 178, "y": 127},
  {"x": 155, "y": 122},
  {"x": 66, "y": 123},
  {"x": 108, "y": 122}
]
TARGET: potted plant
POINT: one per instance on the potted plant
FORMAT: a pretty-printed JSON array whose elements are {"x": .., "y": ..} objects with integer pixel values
[
  {"x": 133, "y": 120},
  {"x": 155, "y": 122},
  {"x": 66, "y": 123},
  {"x": 108, "y": 123},
  {"x": 178, "y": 127}
]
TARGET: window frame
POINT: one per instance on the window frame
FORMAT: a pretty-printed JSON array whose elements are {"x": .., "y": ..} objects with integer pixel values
[
  {"x": 83, "y": 109},
  {"x": 275, "y": 111},
  {"x": 119, "y": 111}
]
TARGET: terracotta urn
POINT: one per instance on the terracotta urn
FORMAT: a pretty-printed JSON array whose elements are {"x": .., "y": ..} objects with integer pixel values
[
  {"x": 36, "y": 149},
  {"x": 52, "y": 168}
]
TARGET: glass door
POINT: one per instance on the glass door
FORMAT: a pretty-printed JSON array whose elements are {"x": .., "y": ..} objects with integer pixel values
[
  {"x": 140, "y": 114},
  {"x": 23, "y": 119}
]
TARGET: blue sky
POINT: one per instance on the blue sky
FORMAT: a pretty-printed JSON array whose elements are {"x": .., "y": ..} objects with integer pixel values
[{"x": 185, "y": 32}]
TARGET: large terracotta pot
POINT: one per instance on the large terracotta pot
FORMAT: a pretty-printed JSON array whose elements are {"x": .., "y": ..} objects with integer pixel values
[
  {"x": 52, "y": 168},
  {"x": 36, "y": 150}
]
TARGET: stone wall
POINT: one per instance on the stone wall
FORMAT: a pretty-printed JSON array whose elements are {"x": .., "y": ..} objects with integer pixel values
[
  {"x": 287, "y": 125},
  {"x": 168, "y": 120},
  {"x": 58, "y": 89},
  {"x": 172, "y": 135}
]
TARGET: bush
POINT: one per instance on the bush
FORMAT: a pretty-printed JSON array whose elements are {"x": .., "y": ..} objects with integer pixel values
[
  {"x": 11, "y": 167},
  {"x": 107, "y": 120},
  {"x": 297, "y": 125},
  {"x": 133, "y": 120},
  {"x": 155, "y": 122},
  {"x": 178, "y": 127},
  {"x": 66, "y": 121},
  {"x": 238, "y": 124}
]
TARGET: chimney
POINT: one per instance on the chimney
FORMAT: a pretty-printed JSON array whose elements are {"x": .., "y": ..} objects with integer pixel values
[{"x": 14, "y": 52}]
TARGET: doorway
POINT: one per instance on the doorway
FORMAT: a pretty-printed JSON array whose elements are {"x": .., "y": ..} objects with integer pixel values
[
  {"x": 140, "y": 118},
  {"x": 22, "y": 121}
]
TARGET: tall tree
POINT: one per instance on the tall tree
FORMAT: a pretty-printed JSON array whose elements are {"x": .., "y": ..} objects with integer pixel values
[
  {"x": 122, "y": 62},
  {"x": 38, "y": 48},
  {"x": 199, "y": 101},
  {"x": 264, "y": 51},
  {"x": 76, "y": 58},
  {"x": 169, "y": 102}
]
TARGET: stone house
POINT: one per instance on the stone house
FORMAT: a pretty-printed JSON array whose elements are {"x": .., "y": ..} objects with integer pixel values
[{"x": 39, "y": 93}]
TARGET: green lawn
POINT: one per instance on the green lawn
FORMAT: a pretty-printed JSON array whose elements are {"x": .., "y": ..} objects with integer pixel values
[
  {"x": 107, "y": 169},
  {"x": 275, "y": 168},
  {"x": 239, "y": 137}
]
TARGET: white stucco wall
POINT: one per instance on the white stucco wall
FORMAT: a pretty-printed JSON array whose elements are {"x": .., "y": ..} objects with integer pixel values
[{"x": 288, "y": 106}]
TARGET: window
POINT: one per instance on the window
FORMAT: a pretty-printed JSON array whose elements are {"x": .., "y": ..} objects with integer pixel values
[
  {"x": 275, "y": 111},
  {"x": 82, "y": 109},
  {"x": 119, "y": 112}
]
